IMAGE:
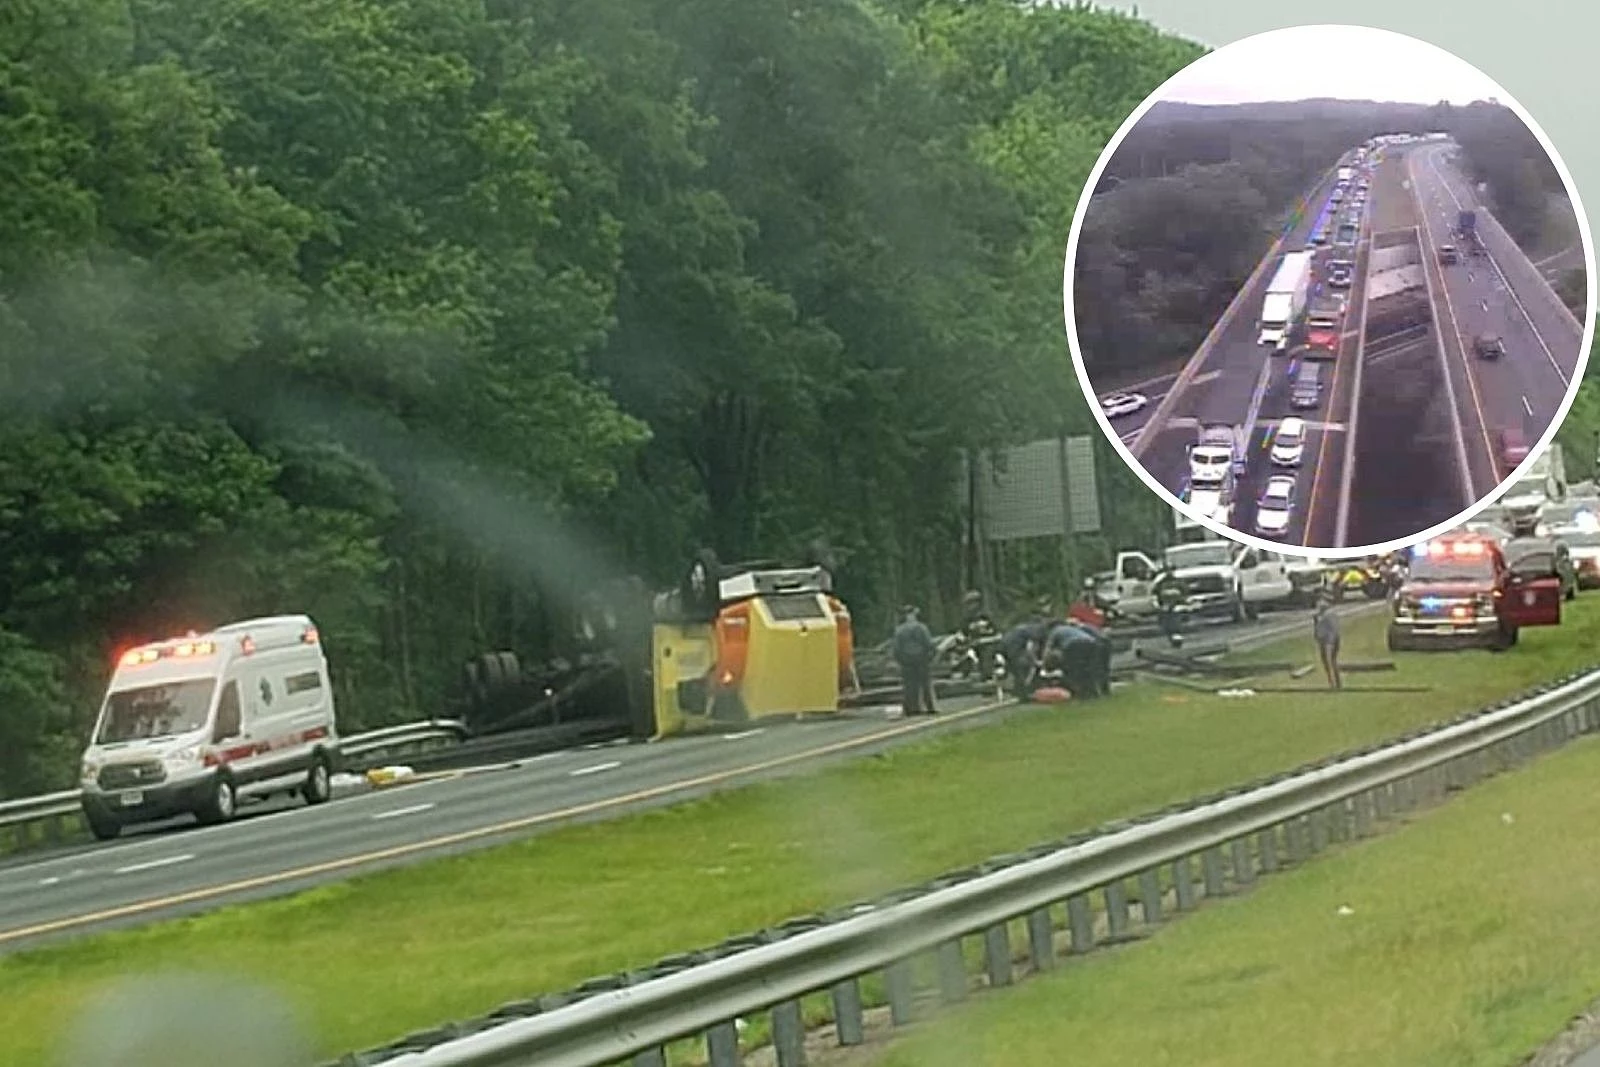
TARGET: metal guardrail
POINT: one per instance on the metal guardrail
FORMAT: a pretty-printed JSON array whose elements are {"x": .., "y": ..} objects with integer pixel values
[
  {"x": 54, "y": 809},
  {"x": 1146, "y": 867}
]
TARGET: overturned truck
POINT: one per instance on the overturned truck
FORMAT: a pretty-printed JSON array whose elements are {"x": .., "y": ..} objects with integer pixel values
[{"x": 729, "y": 645}]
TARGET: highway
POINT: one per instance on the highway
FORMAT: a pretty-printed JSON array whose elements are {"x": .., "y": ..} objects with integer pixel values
[
  {"x": 184, "y": 870},
  {"x": 1235, "y": 380},
  {"x": 1501, "y": 294}
]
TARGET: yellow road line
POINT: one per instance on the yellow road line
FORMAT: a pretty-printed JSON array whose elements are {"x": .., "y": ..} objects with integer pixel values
[{"x": 397, "y": 851}]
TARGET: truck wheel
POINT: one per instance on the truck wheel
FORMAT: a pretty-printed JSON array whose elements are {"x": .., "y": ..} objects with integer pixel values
[
  {"x": 1396, "y": 640},
  {"x": 700, "y": 593},
  {"x": 103, "y": 827},
  {"x": 319, "y": 782},
  {"x": 221, "y": 802}
]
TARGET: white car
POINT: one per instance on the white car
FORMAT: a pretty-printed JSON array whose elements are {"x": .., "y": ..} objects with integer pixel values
[
  {"x": 1275, "y": 506},
  {"x": 1289, "y": 442},
  {"x": 1118, "y": 405}
]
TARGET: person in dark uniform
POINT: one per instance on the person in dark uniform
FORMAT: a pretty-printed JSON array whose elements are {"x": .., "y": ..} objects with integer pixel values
[
  {"x": 1099, "y": 666},
  {"x": 1169, "y": 596},
  {"x": 1073, "y": 651},
  {"x": 1022, "y": 664},
  {"x": 914, "y": 651}
]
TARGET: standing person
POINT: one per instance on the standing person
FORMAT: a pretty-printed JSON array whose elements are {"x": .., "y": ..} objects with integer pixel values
[
  {"x": 1325, "y": 627},
  {"x": 1168, "y": 593},
  {"x": 914, "y": 651}
]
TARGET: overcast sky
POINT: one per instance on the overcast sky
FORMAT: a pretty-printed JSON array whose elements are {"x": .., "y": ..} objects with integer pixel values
[{"x": 1341, "y": 62}]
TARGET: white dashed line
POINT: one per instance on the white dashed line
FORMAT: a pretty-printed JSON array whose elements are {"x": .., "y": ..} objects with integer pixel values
[
  {"x": 1527, "y": 406},
  {"x": 150, "y": 865},
  {"x": 597, "y": 768},
  {"x": 395, "y": 813},
  {"x": 742, "y": 735}
]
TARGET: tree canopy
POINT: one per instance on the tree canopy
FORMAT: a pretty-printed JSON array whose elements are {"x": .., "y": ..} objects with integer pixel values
[{"x": 416, "y": 315}]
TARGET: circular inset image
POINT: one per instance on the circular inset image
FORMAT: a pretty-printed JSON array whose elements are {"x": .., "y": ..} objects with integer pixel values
[{"x": 1333, "y": 291}]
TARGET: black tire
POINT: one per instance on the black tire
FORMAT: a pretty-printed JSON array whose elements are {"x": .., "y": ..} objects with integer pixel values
[
  {"x": 103, "y": 827},
  {"x": 1396, "y": 640},
  {"x": 1240, "y": 613},
  {"x": 319, "y": 781},
  {"x": 1572, "y": 592},
  {"x": 700, "y": 595},
  {"x": 1375, "y": 590},
  {"x": 221, "y": 803}
]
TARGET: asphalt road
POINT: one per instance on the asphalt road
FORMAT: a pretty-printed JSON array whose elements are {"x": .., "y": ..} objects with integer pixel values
[
  {"x": 1154, "y": 390},
  {"x": 1503, "y": 294},
  {"x": 173, "y": 872},
  {"x": 1239, "y": 382}
]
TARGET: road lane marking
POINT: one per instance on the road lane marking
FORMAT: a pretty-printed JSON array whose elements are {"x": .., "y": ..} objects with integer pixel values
[
  {"x": 1501, "y": 282},
  {"x": 1527, "y": 406},
  {"x": 150, "y": 865},
  {"x": 742, "y": 734},
  {"x": 596, "y": 769},
  {"x": 412, "y": 848},
  {"x": 395, "y": 813},
  {"x": 1469, "y": 484}
]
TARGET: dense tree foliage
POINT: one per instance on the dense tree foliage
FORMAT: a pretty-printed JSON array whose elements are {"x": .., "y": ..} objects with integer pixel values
[
  {"x": 1194, "y": 195},
  {"x": 418, "y": 315},
  {"x": 1503, "y": 155}
]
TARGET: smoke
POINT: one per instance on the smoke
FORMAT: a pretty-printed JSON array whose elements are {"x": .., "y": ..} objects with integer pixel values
[{"x": 187, "y": 1021}]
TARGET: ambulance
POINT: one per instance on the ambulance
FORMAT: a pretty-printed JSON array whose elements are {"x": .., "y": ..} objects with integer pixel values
[{"x": 195, "y": 725}]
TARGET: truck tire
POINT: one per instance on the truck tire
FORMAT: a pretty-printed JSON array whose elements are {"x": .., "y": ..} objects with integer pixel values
[
  {"x": 1396, "y": 640},
  {"x": 700, "y": 594}
]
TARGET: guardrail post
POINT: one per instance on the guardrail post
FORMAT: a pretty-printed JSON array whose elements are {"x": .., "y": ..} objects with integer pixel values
[
  {"x": 1362, "y": 803},
  {"x": 1404, "y": 794},
  {"x": 1080, "y": 923},
  {"x": 52, "y": 830},
  {"x": 997, "y": 953},
  {"x": 1244, "y": 864},
  {"x": 1041, "y": 940},
  {"x": 1150, "y": 896},
  {"x": 1338, "y": 822},
  {"x": 952, "y": 972},
  {"x": 902, "y": 995},
  {"x": 1268, "y": 841},
  {"x": 789, "y": 1034},
  {"x": 722, "y": 1045},
  {"x": 1183, "y": 882},
  {"x": 1211, "y": 872},
  {"x": 848, "y": 1021},
  {"x": 1318, "y": 821},
  {"x": 1294, "y": 852},
  {"x": 1117, "y": 910},
  {"x": 1381, "y": 807}
]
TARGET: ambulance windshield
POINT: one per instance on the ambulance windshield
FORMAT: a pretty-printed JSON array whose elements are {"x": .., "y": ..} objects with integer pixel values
[{"x": 151, "y": 711}]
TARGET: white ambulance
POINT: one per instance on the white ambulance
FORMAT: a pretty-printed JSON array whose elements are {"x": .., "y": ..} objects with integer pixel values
[{"x": 195, "y": 724}]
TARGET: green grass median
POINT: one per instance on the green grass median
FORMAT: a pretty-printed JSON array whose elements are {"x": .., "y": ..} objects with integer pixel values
[
  {"x": 1465, "y": 938},
  {"x": 378, "y": 956}
]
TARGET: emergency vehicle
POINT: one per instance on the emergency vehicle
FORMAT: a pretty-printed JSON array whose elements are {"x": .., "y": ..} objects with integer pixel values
[
  {"x": 194, "y": 725},
  {"x": 1461, "y": 593}
]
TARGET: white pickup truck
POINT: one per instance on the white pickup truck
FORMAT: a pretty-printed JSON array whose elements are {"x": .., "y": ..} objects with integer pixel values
[{"x": 1219, "y": 577}]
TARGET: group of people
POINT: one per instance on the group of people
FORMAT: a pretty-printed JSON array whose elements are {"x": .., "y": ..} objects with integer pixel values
[{"x": 1072, "y": 650}]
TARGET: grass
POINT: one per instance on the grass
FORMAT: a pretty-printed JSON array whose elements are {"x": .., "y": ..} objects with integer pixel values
[
  {"x": 379, "y": 956},
  {"x": 1470, "y": 943}
]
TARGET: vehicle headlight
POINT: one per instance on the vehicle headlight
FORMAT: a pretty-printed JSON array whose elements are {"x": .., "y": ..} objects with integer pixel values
[
  {"x": 89, "y": 769},
  {"x": 184, "y": 755},
  {"x": 1483, "y": 602}
]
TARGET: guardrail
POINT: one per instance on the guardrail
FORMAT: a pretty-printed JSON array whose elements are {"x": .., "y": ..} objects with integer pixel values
[
  {"x": 1145, "y": 867},
  {"x": 59, "y": 813}
]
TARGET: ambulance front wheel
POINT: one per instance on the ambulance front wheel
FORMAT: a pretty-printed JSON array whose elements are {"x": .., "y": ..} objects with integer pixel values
[
  {"x": 103, "y": 827},
  {"x": 221, "y": 801}
]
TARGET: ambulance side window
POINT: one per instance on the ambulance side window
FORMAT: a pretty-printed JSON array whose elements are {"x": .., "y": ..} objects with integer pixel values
[{"x": 227, "y": 713}]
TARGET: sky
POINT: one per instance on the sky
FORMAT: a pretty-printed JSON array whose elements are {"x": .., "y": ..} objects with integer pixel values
[{"x": 1341, "y": 62}]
